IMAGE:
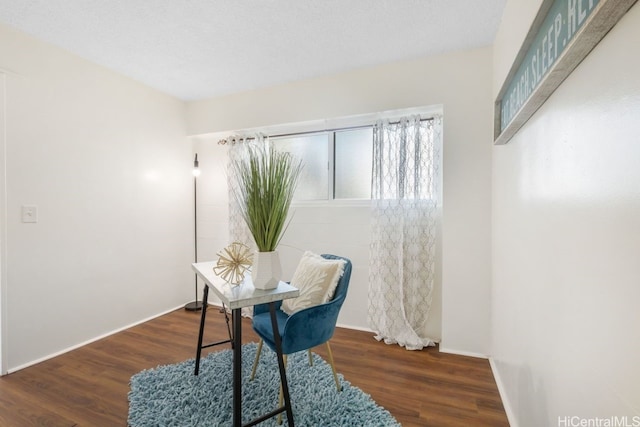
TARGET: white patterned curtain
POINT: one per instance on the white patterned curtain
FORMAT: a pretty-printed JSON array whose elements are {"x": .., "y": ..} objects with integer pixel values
[{"x": 405, "y": 217}]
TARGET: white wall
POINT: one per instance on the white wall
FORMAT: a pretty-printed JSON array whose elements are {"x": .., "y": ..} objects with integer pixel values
[
  {"x": 107, "y": 163},
  {"x": 566, "y": 237},
  {"x": 461, "y": 83},
  {"x": 3, "y": 220}
]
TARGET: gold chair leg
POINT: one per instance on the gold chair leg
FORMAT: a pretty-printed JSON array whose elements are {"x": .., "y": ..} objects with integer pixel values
[
  {"x": 257, "y": 359},
  {"x": 281, "y": 395},
  {"x": 310, "y": 357},
  {"x": 333, "y": 367}
]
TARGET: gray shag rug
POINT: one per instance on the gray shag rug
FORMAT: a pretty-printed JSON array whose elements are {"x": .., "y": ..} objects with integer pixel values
[{"x": 172, "y": 396}]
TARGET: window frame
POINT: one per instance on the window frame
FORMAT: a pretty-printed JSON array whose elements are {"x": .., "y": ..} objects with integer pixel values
[{"x": 339, "y": 124}]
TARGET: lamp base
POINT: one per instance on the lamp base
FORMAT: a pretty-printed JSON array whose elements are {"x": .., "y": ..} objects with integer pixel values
[{"x": 193, "y": 306}]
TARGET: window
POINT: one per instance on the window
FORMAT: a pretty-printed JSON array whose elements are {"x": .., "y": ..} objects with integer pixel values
[
  {"x": 353, "y": 156},
  {"x": 314, "y": 151},
  {"x": 338, "y": 153},
  {"x": 337, "y": 164}
]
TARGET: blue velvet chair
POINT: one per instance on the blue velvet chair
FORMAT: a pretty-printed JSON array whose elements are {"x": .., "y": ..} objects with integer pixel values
[{"x": 306, "y": 328}]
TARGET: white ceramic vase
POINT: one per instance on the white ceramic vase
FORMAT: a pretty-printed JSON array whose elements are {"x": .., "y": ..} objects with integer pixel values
[{"x": 266, "y": 270}]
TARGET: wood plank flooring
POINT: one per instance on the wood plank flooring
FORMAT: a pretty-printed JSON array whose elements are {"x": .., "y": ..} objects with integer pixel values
[{"x": 89, "y": 386}]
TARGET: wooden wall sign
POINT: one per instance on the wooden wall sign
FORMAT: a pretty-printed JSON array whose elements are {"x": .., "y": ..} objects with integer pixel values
[{"x": 561, "y": 36}]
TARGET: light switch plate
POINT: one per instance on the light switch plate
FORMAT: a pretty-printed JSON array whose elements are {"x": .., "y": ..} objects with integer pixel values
[{"x": 29, "y": 213}]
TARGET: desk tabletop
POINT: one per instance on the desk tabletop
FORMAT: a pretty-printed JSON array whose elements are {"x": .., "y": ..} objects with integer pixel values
[{"x": 243, "y": 295}]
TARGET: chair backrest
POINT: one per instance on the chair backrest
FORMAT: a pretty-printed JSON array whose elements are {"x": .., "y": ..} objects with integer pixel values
[{"x": 343, "y": 284}]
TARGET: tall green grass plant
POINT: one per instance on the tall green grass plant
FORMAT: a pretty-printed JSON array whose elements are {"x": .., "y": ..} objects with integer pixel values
[{"x": 267, "y": 179}]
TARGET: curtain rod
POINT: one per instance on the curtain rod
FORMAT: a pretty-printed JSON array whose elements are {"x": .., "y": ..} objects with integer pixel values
[{"x": 282, "y": 135}]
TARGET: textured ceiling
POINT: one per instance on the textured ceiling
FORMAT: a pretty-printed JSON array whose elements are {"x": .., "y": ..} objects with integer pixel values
[{"x": 195, "y": 49}]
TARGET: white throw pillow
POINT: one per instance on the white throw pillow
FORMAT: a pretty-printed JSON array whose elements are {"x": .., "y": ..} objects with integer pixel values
[{"x": 317, "y": 278}]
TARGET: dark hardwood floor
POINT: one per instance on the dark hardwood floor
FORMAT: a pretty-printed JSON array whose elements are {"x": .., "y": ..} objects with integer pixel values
[{"x": 89, "y": 386}]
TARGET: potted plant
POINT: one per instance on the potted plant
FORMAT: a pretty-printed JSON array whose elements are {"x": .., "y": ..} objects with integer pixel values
[{"x": 267, "y": 179}]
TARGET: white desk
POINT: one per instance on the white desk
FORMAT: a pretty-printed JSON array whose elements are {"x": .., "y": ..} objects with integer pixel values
[{"x": 236, "y": 297}]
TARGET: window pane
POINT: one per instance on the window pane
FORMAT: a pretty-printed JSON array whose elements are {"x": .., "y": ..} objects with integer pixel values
[
  {"x": 353, "y": 157},
  {"x": 314, "y": 152}
]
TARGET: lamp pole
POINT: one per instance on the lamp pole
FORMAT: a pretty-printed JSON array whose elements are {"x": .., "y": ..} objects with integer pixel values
[{"x": 195, "y": 305}]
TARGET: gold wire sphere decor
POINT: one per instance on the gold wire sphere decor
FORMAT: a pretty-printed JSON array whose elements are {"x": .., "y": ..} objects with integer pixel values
[{"x": 233, "y": 263}]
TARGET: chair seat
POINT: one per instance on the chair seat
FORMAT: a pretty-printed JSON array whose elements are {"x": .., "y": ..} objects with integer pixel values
[{"x": 262, "y": 326}]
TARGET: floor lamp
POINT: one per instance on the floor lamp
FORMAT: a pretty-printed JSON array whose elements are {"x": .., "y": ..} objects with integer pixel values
[{"x": 195, "y": 305}]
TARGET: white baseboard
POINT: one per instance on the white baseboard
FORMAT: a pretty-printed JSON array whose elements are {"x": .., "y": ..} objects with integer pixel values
[
  {"x": 355, "y": 328},
  {"x": 74, "y": 347},
  {"x": 463, "y": 353},
  {"x": 503, "y": 395}
]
